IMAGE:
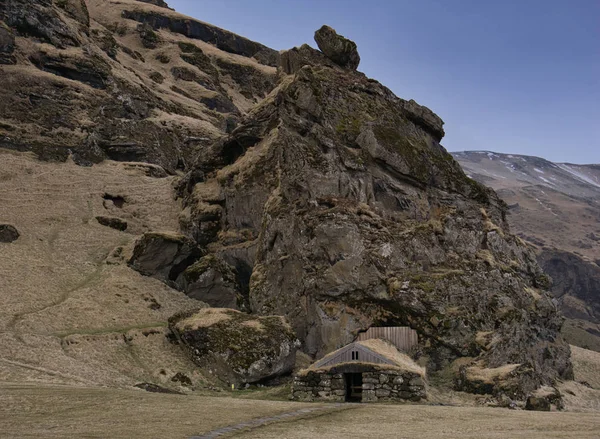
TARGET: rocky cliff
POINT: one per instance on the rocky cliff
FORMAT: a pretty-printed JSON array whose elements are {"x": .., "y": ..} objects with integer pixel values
[
  {"x": 131, "y": 102},
  {"x": 124, "y": 80},
  {"x": 555, "y": 207},
  {"x": 310, "y": 191},
  {"x": 340, "y": 201}
]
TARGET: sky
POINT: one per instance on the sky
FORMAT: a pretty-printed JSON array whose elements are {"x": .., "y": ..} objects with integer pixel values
[{"x": 507, "y": 76}]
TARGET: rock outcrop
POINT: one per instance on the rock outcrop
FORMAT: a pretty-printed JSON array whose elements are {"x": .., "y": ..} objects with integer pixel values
[
  {"x": 212, "y": 281},
  {"x": 160, "y": 3},
  {"x": 236, "y": 347},
  {"x": 555, "y": 207},
  {"x": 163, "y": 255},
  {"x": 319, "y": 196},
  {"x": 337, "y": 48},
  {"x": 351, "y": 214},
  {"x": 222, "y": 39},
  {"x": 8, "y": 233},
  {"x": 7, "y": 45},
  {"x": 573, "y": 278},
  {"x": 290, "y": 61},
  {"x": 112, "y": 222},
  {"x": 100, "y": 79}
]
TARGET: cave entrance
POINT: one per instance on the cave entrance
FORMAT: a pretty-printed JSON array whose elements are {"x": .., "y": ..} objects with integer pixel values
[{"x": 354, "y": 383}]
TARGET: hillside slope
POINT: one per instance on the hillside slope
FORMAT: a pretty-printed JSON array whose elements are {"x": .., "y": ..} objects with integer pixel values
[
  {"x": 84, "y": 85},
  {"x": 305, "y": 190},
  {"x": 94, "y": 79},
  {"x": 338, "y": 198},
  {"x": 556, "y": 208}
]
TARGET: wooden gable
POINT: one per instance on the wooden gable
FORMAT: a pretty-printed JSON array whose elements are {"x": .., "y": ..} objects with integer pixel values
[
  {"x": 352, "y": 352},
  {"x": 403, "y": 337}
]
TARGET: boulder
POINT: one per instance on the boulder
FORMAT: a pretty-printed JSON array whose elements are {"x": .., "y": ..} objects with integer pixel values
[
  {"x": 545, "y": 399},
  {"x": 290, "y": 61},
  {"x": 538, "y": 404},
  {"x": 163, "y": 256},
  {"x": 424, "y": 118},
  {"x": 212, "y": 281},
  {"x": 337, "y": 48},
  {"x": 8, "y": 233},
  {"x": 237, "y": 347},
  {"x": 112, "y": 222}
]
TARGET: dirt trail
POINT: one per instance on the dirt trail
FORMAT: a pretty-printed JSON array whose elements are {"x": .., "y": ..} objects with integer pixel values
[{"x": 256, "y": 423}]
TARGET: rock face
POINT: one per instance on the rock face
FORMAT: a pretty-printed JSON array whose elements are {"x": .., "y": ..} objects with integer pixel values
[
  {"x": 39, "y": 19},
  {"x": 69, "y": 87},
  {"x": 237, "y": 347},
  {"x": 224, "y": 40},
  {"x": 212, "y": 281},
  {"x": 573, "y": 276},
  {"x": 351, "y": 214},
  {"x": 555, "y": 207},
  {"x": 340, "y": 50},
  {"x": 7, "y": 45},
  {"x": 290, "y": 61},
  {"x": 163, "y": 256},
  {"x": 8, "y": 233}
]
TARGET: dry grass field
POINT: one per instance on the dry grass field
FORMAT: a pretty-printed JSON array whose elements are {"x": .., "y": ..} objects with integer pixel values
[
  {"x": 426, "y": 422},
  {"x": 71, "y": 311},
  {"x": 28, "y": 411},
  {"x": 52, "y": 411},
  {"x": 74, "y": 317}
]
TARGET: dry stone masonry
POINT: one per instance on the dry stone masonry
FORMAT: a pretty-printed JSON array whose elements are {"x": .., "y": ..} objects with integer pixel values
[{"x": 376, "y": 386}]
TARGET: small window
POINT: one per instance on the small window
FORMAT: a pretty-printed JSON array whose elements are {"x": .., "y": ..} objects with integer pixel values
[{"x": 355, "y": 355}]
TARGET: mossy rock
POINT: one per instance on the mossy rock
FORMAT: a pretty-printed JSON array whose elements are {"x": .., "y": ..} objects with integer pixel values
[
  {"x": 150, "y": 39},
  {"x": 238, "y": 347}
]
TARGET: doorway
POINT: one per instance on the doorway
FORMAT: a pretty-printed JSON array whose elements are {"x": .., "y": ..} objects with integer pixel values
[{"x": 353, "y": 387}]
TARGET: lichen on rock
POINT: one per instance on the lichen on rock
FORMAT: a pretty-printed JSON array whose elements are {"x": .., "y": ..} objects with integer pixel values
[
  {"x": 362, "y": 218},
  {"x": 337, "y": 48},
  {"x": 238, "y": 348}
]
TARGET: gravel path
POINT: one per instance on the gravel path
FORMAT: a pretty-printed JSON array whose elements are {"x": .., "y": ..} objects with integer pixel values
[{"x": 262, "y": 421}]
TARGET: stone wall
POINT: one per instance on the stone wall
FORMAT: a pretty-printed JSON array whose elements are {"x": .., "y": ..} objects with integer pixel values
[
  {"x": 378, "y": 385},
  {"x": 319, "y": 386},
  {"x": 392, "y": 385}
]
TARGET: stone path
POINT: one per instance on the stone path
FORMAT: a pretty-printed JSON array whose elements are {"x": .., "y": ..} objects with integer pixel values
[{"x": 262, "y": 421}]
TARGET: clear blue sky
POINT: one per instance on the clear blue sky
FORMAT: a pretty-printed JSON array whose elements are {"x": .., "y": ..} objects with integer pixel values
[{"x": 508, "y": 76}]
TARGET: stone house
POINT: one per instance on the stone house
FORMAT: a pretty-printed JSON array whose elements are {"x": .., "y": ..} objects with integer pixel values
[{"x": 363, "y": 371}]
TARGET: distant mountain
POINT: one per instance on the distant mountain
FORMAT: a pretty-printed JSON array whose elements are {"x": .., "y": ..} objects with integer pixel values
[{"x": 556, "y": 208}]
